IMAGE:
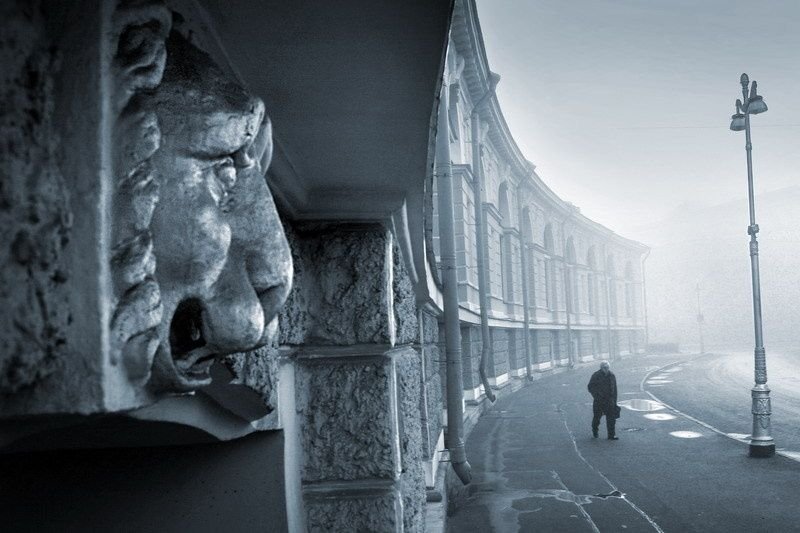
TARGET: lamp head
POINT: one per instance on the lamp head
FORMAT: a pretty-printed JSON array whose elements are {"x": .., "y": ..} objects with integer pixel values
[
  {"x": 737, "y": 122},
  {"x": 756, "y": 104},
  {"x": 737, "y": 119}
]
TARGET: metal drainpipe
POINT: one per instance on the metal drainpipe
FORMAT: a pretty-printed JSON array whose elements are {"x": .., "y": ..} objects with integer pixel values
[
  {"x": 452, "y": 327},
  {"x": 644, "y": 303},
  {"x": 480, "y": 230},
  {"x": 525, "y": 295}
]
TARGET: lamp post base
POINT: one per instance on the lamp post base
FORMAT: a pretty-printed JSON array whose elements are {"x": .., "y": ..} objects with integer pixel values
[
  {"x": 761, "y": 441},
  {"x": 760, "y": 450}
]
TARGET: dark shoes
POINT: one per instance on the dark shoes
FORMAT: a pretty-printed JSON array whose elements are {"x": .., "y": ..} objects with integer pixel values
[{"x": 613, "y": 437}]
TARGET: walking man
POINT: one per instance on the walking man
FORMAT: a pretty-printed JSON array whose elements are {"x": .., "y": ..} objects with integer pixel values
[{"x": 603, "y": 388}]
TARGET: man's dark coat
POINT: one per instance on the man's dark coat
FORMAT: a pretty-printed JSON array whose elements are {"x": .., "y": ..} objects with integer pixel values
[{"x": 603, "y": 388}]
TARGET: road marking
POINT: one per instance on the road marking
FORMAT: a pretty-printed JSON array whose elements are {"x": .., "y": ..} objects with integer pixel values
[
  {"x": 794, "y": 456},
  {"x": 741, "y": 437},
  {"x": 790, "y": 455}
]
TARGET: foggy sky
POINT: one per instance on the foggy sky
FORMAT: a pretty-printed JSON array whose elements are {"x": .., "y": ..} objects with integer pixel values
[{"x": 624, "y": 105}]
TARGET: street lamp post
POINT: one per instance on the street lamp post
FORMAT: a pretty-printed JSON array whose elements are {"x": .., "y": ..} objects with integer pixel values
[{"x": 761, "y": 442}]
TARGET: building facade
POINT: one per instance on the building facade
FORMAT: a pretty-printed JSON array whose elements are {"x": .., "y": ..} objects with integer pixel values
[
  {"x": 559, "y": 287},
  {"x": 257, "y": 255}
]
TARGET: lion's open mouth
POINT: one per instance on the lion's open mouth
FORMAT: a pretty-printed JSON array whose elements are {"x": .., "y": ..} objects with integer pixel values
[{"x": 190, "y": 353}]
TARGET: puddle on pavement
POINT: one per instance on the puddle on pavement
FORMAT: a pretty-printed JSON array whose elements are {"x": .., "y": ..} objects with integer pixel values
[
  {"x": 571, "y": 497},
  {"x": 686, "y": 434},
  {"x": 659, "y": 416},
  {"x": 630, "y": 430},
  {"x": 658, "y": 381},
  {"x": 562, "y": 495},
  {"x": 641, "y": 404},
  {"x": 673, "y": 369},
  {"x": 739, "y": 436},
  {"x": 614, "y": 494}
]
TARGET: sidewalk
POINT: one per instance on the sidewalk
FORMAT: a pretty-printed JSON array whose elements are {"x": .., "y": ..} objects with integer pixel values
[{"x": 536, "y": 467}]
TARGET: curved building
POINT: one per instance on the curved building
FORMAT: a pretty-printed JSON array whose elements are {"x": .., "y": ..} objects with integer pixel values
[{"x": 558, "y": 287}]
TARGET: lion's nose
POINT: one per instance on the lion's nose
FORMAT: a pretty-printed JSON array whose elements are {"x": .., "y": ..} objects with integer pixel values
[{"x": 234, "y": 318}]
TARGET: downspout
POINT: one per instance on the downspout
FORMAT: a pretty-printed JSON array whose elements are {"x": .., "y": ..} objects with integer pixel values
[
  {"x": 525, "y": 297},
  {"x": 644, "y": 303},
  {"x": 452, "y": 327},
  {"x": 480, "y": 229}
]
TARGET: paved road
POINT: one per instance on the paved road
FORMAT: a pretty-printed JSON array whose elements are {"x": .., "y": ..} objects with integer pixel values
[
  {"x": 537, "y": 468},
  {"x": 715, "y": 388}
]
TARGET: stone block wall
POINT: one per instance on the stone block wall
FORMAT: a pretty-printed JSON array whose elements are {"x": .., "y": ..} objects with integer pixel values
[
  {"x": 542, "y": 338},
  {"x": 561, "y": 345},
  {"x": 433, "y": 385},
  {"x": 352, "y": 324},
  {"x": 35, "y": 207},
  {"x": 586, "y": 347},
  {"x": 412, "y": 446},
  {"x": 498, "y": 360},
  {"x": 604, "y": 347},
  {"x": 471, "y": 346},
  {"x": 516, "y": 348}
]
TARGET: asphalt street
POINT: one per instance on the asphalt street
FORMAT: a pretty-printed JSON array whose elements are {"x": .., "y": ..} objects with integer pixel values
[
  {"x": 536, "y": 466},
  {"x": 715, "y": 388}
]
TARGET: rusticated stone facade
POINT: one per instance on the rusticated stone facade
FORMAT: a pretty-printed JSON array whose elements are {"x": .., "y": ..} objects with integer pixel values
[
  {"x": 35, "y": 208},
  {"x": 350, "y": 328},
  {"x": 347, "y": 431}
]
